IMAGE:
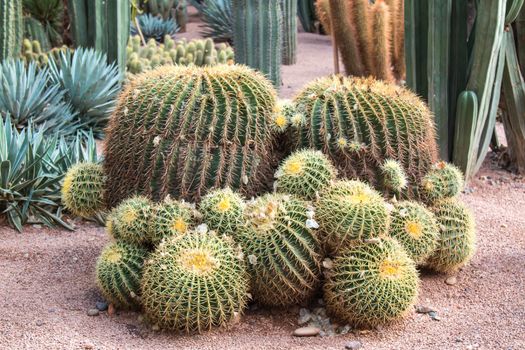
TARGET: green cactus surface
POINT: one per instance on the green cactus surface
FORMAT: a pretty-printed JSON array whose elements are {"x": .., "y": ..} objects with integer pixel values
[
  {"x": 83, "y": 189},
  {"x": 222, "y": 210},
  {"x": 132, "y": 221},
  {"x": 172, "y": 218},
  {"x": 444, "y": 180},
  {"x": 394, "y": 176},
  {"x": 11, "y": 28}
]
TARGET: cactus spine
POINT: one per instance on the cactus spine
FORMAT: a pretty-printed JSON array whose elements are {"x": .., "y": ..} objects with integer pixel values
[
  {"x": 83, "y": 189},
  {"x": 289, "y": 11},
  {"x": 223, "y": 210},
  {"x": 132, "y": 221},
  {"x": 394, "y": 176},
  {"x": 442, "y": 181},
  {"x": 11, "y": 28},
  {"x": 171, "y": 218}
]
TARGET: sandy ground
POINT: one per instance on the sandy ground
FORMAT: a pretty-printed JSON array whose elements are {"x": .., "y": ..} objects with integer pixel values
[{"x": 47, "y": 280}]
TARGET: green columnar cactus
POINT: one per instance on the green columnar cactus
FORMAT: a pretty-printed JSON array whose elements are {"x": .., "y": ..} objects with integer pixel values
[
  {"x": 190, "y": 129},
  {"x": 11, "y": 28},
  {"x": 306, "y": 12},
  {"x": 257, "y": 36},
  {"x": 457, "y": 238},
  {"x": 359, "y": 123},
  {"x": 282, "y": 249},
  {"x": 371, "y": 283},
  {"x": 415, "y": 227},
  {"x": 194, "y": 282},
  {"x": 83, "y": 189},
  {"x": 36, "y": 31},
  {"x": 118, "y": 272},
  {"x": 222, "y": 210},
  {"x": 304, "y": 174},
  {"x": 172, "y": 218},
  {"x": 394, "y": 176},
  {"x": 289, "y": 11},
  {"x": 350, "y": 210},
  {"x": 132, "y": 221},
  {"x": 442, "y": 181}
]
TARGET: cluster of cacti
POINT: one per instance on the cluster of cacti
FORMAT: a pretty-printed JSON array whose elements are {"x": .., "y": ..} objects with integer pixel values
[
  {"x": 442, "y": 181},
  {"x": 171, "y": 218},
  {"x": 32, "y": 52},
  {"x": 83, "y": 189},
  {"x": 181, "y": 52},
  {"x": 184, "y": 130},
  {"x": 35, "y": 31},
  {"x": 223, "y": 211},
  {"x": 370, "y": 36},
  {"x": 43, "y": 21},
  {"x": 11, "y": 28}
]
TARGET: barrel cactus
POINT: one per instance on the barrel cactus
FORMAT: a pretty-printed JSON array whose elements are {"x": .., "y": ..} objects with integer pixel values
[
  {"x": 118, "y": 272},
  {"x": 457, "y": 239},
  {"x": 83, "y": 189},
  {"x": 394, "y": 177},
  {"x": 282, "y": 249},
  {"x": 444, "y": 180},
  {"x": 350, "y": 210},
  {"x": 194, "y": 282},
  {"x": 305, "y": 173},
  {"x": 222, "y": 210},
  {"x": 371, "y": 283},
  {"x": 360, "y": 123},
  {"x": 183, "y": 130},
  {"x": 415, "y": 228},
  {"x": 132, "y": 221},
  {"x": 172, "y": 218}
]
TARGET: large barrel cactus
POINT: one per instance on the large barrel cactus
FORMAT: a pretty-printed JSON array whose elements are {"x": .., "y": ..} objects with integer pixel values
[
  {"x": 360, "y": 123},
  {"x": 183, "y": 130}
]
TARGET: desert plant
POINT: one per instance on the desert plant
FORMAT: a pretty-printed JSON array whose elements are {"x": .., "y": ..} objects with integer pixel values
[
  {"x": 118, "y": 273},
  {"x": 371, "y": 283},
  {"x": 35, "y": 31},
  {"x": 50, "y": 14},
  {"x": 222, "y": 210},
  {"x": 289, "y": 11},
  {"x": 83, "y": 189},
  {"x": 322, "y": 11},
  {"x": 132, "y": 221},
  {"x": 217, "y": 16},
  {"x": 304, "y": 174},
  {"x": 193, "y": 136},
  {"x": 306, "y": 13},
  {"x": 204, "y": 273},
  {"x": 153, "y": 27},
  {"x": 11, "y": 28},
  {"x": 172, "y": 218},
  {"x": 442, "y": 181},
  {"x": 360, "y": 123},
  {"x": 282, "y": 248},
  {"x": 394, "y": 176},
  {"x": 350, "y": 210}
]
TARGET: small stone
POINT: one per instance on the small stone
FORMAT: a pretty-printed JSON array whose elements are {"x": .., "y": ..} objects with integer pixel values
[
  {"x": 304, "y": 316},
  {"x": 424, "y": 309},
  {"x": 26, "y": 255},
  {"x": 111, "y": 309},
  {"x": 306, "y": 332},
  {"x": 155, "y": 328},
  {"x": 353, "y": 345},
  {"x": 452, "y": 280},
  {"x": 345, "y": 330},
  {"x": 92, "y": 312},
  {"x": 37, "y": 226},
  {"x": 39, "y": 323},
  {"x": 504, "y": 225},
  {"x": 433, "y": 315},
  {"x": 101, "y": 305}
]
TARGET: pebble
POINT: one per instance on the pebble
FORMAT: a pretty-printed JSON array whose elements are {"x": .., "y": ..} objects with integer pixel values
[
  {"x": 452, "y": 280},
  {"x": 155, "y": 328},
  {"x": 111, "y": 309},
  {"x": 433, "y": 315},
  {"x": 304, "y": 316},
  {"x": 424, "y": 309},
  {"x": 101, "y": 305},
  {"x": 306, "y": 332},
  {"x": 92, "y": 312},
  {"x": 504, "y": 225},
  {"x": 39, "y": 323},
  {"x": 353, "y": 345}
]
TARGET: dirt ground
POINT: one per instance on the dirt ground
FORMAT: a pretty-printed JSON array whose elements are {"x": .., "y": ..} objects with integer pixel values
[{"x": 47, "y": 281}]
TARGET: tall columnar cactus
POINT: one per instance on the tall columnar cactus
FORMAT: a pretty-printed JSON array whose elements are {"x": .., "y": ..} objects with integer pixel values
[
  {"x": 289, "y": 11},
  {"x": 223, "y": 211},
  {"x": 11, "y": 28},
  {"x": 306, "y": 13},
  {"x": 282, "y": 249},
  {"x": 257, "y": 36},
  {"x": 83, "y": 189},
  {"x": 194, "y": 282},
  {"x": 183, "y": 130},
  {"x": 359, "y": 123}
]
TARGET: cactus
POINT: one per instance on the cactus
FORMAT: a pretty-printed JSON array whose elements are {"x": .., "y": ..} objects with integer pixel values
[
  {"x": 257, "y": 36},
  {"x": 194, "y": 282},
  {"x": 350, "y": 210},
  {"x": 304, "y": 174},
  {"x": 394, "y": 176},
  {"x": 371, "y": 283},
  {"x": 35, "y": 31},
  {"x": 282, "y": 250},
  {"x": 83, "y": 189},
  {"x": 283, "y": 114},
  {"x": 306, "y": 12},
  {"x": 322, "y": 10},
  {"x": 289, "y": 11},
  {"x": 222, "y": 210},
  {"x": 118, "y": 273},
  {"x": 359, "y": 123},
  {"x": 415, "y": 228},
  {"x": 132, "y": 221},
  {"x": 457, "y": 237},
  {"x": 442, "y": 181},
  {"x": 190, "y": 129},
  {"x": 11, "y": 28},
  {"x": 171, "y": 218},
  {"x": 381, "y": 45}
]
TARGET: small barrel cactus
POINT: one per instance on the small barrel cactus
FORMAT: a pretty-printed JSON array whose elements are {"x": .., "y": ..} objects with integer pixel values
[
  {"x": 118, "y": 272},
  {"x": 222, "y": 210},
  {"x": 457, "y": 239},
  {"x": 394, "y": 176},
  {"x": 171, "y": 218},
  {"x": 83, "y": 189},
  {"x": 371, "y": 283},
  {"x": 194, "y": 282},
  {"x": 350, "y": 210},
  {"x": 415, "y": 228},
  {"x": 304, "y": 174},
  {"x": 282, "y": 249},
  {"x": 444, "y": 180},
  {"x": 131, "y": 221},
  {"x": 360, "y": 123}
]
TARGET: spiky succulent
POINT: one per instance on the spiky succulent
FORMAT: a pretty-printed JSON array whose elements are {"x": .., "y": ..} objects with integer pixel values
[
  {"x": 172, "y": 218},
  {"x": 154, "y": 27},
  {"x": 222, "y": 210},
  {"x": 282, "y": 248},
  {"x": 371, "y": 283},
  {"x": 350, "y": 210},
  {"x": 132, "y": 220},
  {"x": 304, "y": 174},
  {"x": 218, "y": 19},
  {"x": 284, "y": 110},
  {"x": 194, "y": 282},
  {"x": 457, "y": 237},
  {"x": 394, "y": 176},
  {"x": 415, "y": 227},
  {"x": 119, "y": 271},
  {"x": 50, "y": 14},
  {"x": 444, "y": 180},
  {"x": 83, "y": 189}
]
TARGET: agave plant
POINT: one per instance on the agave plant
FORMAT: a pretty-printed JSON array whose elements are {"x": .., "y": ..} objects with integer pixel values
[
  {"x": 27, "y": 94},
  {"x": 50, "y": 13},
  {"x": 154, "y": 27},
  {"x": 90, "y": 85},
  {"x": 218, "y": 18}
]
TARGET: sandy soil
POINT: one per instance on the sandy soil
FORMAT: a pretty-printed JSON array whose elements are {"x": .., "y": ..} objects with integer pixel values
[{"x": 47, "y": 280}]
